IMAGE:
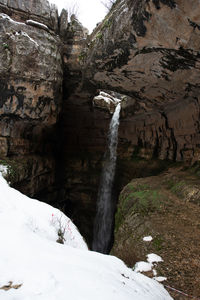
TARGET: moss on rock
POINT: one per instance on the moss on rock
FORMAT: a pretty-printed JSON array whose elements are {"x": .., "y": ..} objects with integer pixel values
[
  {"x": 165, "y": 207},
  {"x": 138, "y": 199}
]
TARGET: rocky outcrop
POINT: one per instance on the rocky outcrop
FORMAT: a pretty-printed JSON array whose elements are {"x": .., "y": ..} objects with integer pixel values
[
  {"x": 28, "y": 86},
  {"x": 108, "y": 100},
  {"x": 74, "y": 45},
  {"x": 36, "y": 10},
  {"x": 63, "y": 20},
  {"x": 165, "y": 207}
]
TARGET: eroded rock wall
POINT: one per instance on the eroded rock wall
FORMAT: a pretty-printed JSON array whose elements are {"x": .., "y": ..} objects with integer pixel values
[
  {"x": 83, "y": 134},
  {"x": 31, "y": 75},
  {"x": 149, "y": 50}
]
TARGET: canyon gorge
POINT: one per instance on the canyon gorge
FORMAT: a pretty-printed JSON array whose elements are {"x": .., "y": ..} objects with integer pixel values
[{"x": 53, "y": 131}]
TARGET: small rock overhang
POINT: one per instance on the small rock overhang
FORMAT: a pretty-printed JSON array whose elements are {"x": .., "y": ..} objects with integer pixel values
[{"x": 108, "y": 100}]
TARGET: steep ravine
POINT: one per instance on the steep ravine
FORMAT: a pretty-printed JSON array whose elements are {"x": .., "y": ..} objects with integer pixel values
[{"x": 53, "y": 136}]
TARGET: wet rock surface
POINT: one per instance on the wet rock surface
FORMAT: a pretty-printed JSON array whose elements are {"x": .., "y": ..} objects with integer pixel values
[{"x": 84, "y": 132}]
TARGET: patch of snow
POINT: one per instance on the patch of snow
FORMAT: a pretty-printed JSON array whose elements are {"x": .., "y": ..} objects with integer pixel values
[
  {"x": 154, "y": 272},
  {"x": 105, "y": 99},
  {"x": 45, "y": 269},
  {"x": 108, "y": 97},
  {"x": 37, "y": 24},
  {"x": 4, "y": 16},
  {"x": 3, "y": 170},
  {"x": 153, "y": 258},
  {"x": 160, "y": 278},
  {"x": 26, "y": 35},
  {"x": 147, "y": 238},
  {"x": 142, "y": 266}
]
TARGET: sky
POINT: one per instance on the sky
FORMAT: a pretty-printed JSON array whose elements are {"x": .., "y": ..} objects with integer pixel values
[{"x": 90, "y": 11}]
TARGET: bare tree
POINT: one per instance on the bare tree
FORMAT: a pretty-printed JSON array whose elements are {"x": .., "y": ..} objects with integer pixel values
[
  {"x": 73, "y": 9},
  {"x": 108, "y": 3}
]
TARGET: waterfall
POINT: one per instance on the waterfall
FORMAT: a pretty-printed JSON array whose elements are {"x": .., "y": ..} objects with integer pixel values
[{"x": 105, "y": 206}]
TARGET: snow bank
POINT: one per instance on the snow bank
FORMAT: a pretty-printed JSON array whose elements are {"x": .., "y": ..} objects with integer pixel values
[{"x": 35, "y": 267}]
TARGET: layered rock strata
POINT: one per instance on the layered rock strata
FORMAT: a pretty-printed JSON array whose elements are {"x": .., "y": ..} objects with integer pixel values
[
  {"x": 149, "y": 50},
  {"x": 31, "y": 77}
]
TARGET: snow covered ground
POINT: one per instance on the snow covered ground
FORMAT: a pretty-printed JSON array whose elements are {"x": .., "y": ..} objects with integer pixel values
[
  {"x": 33, "y": 266},
  {"x": 152, "y": 260}
]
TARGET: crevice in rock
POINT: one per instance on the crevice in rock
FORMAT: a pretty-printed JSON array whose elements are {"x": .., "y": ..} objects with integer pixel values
[
  {"x": 170, "y": 3},
  {"x": 173, "y": 139},
  {"x": 193, "y": 24}
]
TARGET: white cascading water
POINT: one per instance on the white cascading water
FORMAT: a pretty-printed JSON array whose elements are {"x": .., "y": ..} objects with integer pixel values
[{"x": 105, "y": 208}]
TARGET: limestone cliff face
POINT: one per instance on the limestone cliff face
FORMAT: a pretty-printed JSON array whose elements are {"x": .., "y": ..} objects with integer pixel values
[
  {"x": 31, "y": 77},
  {"x": 149, "y": 50}
]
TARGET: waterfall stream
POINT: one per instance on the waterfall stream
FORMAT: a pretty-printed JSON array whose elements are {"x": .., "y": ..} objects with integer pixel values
[{"x": 105, "y": 207}]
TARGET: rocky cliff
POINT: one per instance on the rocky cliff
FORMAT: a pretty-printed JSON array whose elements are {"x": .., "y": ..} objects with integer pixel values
[
  {"x": 31, "y": 75},
  {"x": 149, "y": 50},
  {"x": 50, "y": 70}
]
